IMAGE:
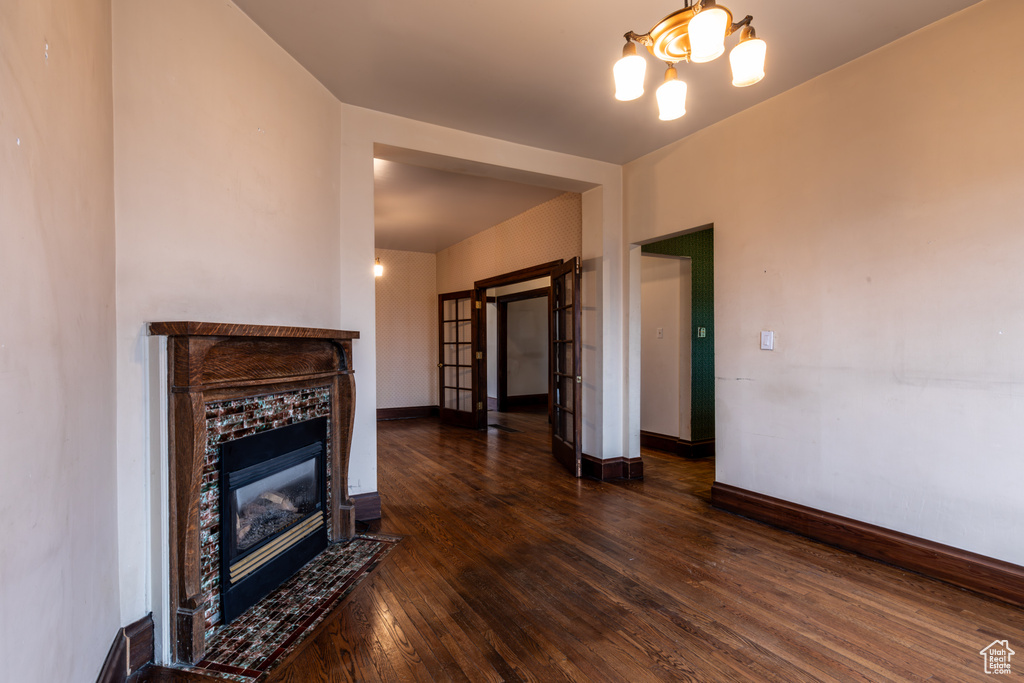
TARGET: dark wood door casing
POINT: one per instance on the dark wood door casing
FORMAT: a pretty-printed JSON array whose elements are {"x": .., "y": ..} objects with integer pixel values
[{"x": 502, "y": 303}]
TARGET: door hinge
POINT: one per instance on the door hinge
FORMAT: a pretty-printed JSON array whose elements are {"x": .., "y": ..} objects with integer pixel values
[
  {"x": 479, "y": 304},
  {"x": 479, "y": 405},
  {"x": 479, "y": 355}
]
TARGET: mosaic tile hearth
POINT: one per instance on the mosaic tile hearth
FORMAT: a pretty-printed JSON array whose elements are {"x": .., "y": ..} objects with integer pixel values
[
  {"x": 254, "y": 644},
  {"x": 235, "y": 419}
]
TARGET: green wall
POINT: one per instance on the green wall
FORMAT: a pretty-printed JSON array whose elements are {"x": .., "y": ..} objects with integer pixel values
[{"x": 700, "y": 248}]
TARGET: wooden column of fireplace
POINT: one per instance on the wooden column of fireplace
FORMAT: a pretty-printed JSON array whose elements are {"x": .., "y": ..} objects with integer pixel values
[{"x": 210, "y": 362}]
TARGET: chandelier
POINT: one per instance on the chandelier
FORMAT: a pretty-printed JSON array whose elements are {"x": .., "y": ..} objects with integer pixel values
[{"x": 695, "y": 33}]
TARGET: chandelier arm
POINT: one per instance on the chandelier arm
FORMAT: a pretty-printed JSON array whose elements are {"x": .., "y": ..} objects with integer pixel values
[
  {"x": 644, "y": 39},
  {"x": 737, "y": 25}
]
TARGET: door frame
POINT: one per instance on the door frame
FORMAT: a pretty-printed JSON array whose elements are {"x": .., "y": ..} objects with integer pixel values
[
  {"x": 510, "y": 278},
  {"x": 502, "y": 303}
]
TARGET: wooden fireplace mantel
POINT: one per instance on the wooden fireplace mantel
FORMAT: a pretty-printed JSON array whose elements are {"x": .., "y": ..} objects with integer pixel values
[{"x": 209, "y": 362}]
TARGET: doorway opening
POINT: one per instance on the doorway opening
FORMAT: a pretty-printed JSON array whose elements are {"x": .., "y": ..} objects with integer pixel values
[
  {"x": 463, "y": 367},
  {"x": 518, "y": 358},
  {"x": 677, "y": 407}
]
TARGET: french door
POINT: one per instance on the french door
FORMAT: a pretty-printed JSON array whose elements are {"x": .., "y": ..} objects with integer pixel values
[
  {"x": 566, "y": 366},
  {"x": 460, "y": 326}
]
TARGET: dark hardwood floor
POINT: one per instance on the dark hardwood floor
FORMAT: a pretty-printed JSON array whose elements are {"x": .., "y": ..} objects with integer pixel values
[{"x": 511, "y": 570}]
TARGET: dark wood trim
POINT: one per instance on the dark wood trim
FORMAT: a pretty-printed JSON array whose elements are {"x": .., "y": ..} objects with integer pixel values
[
  {"x": 979, "y": 573},
  {"x": 115, "y": 666},
  {"x": 367, "y": 506},
  {"x": 141, "y": 648},
  {"x": 659, "y": 442},
  {"x": 527, "y": 400},
  {"x": 194, "y": 329},
  {"x": 521, "y": 275},
  {"x": 131, "y": 650},
  {"x": 676, "y": 446},
  {"x": 612, "y": 468},
  {"x": 523, "y": 296},
  {"x": 407, "y": 412}
]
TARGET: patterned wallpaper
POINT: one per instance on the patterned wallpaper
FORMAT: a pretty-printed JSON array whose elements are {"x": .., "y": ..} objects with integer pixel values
[
  {"x": 552, "y": 230},
  {"x": 406, "y": 330}
]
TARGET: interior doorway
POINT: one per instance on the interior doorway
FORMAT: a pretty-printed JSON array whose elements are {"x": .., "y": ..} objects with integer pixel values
[
  {"x": 677, "y": 341},
  {"x": 463, "y": 365},
  {"x": 518, "y": 341}
]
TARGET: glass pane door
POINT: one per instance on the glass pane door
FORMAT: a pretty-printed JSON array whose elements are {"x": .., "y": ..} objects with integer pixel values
[
  {"x": 566, "y": 379},
  {"x": 458, "y": 325}
]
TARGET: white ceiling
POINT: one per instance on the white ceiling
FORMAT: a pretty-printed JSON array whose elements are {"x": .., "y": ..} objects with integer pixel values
[
  {"x": 425, "y": 209},
  {"x": 538, "y": 73}
]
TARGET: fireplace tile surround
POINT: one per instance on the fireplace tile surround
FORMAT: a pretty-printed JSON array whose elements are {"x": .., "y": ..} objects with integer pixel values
[
  {"x": 234, "y": 419},
  {"x": 225, "y": 382}
]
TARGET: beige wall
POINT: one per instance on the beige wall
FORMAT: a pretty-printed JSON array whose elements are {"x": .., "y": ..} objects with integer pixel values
[
  {"x": 872, "y": 218},
  {"x": 227, "y": 181},
  {"x": 550, "y": 231},
  {"x": 406, "y": 330},
  {"x": 58, "y": 495}
]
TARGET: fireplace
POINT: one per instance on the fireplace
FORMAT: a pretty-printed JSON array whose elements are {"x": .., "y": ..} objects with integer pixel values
[
  {"x": 273, "y": 510},
  {"x": 227, "y": 383}
]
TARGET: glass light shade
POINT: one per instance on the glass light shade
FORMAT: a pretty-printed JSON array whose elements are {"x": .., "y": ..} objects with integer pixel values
[
  {"x": 747, "y": 60},
  {"x": 378, "y": 269},
  {"x": 629, "y": 77},
  {"x": 671, "y": 97},
  {"x": 707, "y": 34}
]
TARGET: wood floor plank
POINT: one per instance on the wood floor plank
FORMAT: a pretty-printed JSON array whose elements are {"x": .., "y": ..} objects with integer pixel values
[{"x": 511, "y": 570}]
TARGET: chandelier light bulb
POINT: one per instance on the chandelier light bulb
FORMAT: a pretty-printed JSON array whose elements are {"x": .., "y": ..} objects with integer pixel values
[
  {"x": 695, "y": 33},
  {"x": 671, "y": 97},
  {"x": 707, "y": 34},
  {"x": 378, "y": 269},
  {"x": 747, "y": 59},
  {"x": 629, "y": 74}
]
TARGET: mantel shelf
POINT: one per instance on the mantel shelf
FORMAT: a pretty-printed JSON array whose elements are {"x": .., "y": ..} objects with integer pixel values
[{"x": 198, "y": 329}]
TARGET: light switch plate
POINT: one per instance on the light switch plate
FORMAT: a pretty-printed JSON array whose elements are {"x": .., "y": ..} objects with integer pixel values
[{"x": 767, "y": 340}]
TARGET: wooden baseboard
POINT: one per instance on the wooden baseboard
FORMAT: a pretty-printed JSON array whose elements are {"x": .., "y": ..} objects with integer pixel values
[
  {"x": 527, "y": 400},
  {"x": 131, "y": 650},
  {"x": 612, "y": 468},
  {"x": 407, "y": 413},
  {"x": 979, "y": 573},
  {"x": 677, "y": 446},
  {"x": 367, "y": 506}
]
